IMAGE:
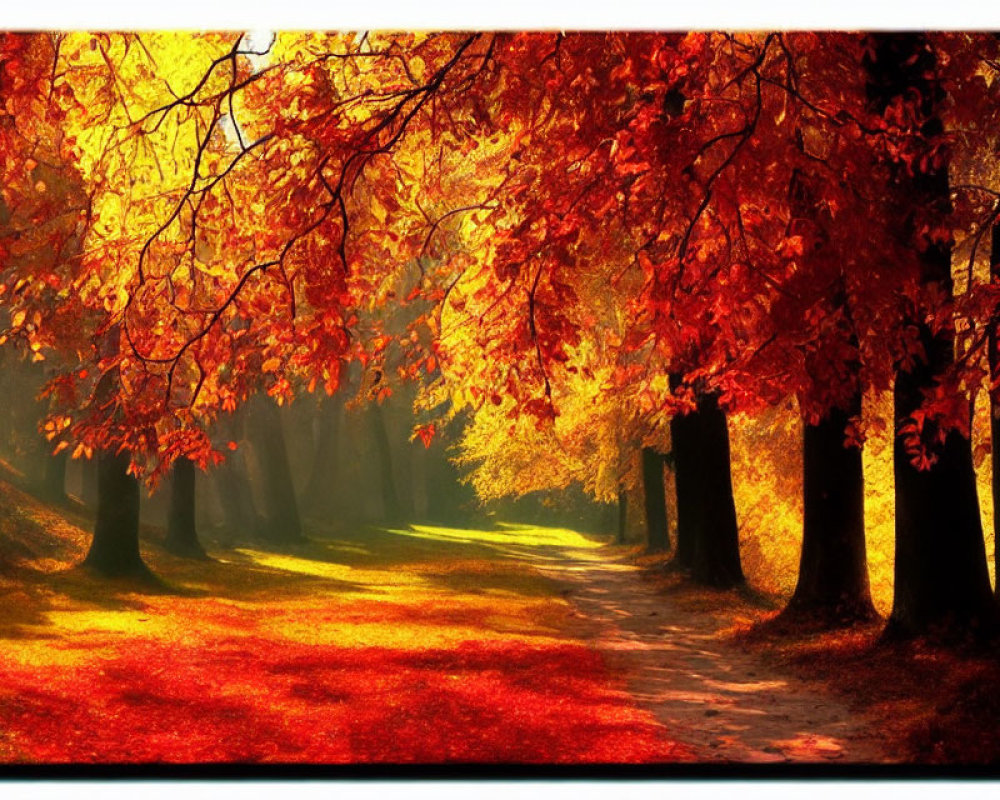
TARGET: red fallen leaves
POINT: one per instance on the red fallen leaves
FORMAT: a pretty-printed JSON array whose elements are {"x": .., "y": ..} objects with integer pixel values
[{"x": 257, "y": 700}]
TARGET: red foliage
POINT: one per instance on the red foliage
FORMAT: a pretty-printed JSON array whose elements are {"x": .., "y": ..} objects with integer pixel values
[
  {"x": 746, "y": 184},
  {"x": 253, "y": 700}
]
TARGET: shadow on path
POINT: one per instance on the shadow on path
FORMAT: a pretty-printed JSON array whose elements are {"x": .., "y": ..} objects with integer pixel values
[{"x": 725, "y": 703}]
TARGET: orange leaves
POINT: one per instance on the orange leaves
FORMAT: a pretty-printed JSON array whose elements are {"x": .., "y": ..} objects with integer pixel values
[
  {"x": 54, "y": 425},
  {"x": 335, "y": 656},
  {"x": 301, "y": 703},
  {"x": 425, "y": 433},
  {"x": 255, "y": 220},
  {"x": 791, "y": 246}
]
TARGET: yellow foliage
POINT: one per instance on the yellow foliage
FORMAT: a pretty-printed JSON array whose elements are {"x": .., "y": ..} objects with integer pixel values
[
  {"x": 767, "y": 465},
  {"x": 880, "y": 504},
  {"x": 984, "y": 477},
  {"x": 766, "y": 452},
  {"x": 767, "y": 485}
]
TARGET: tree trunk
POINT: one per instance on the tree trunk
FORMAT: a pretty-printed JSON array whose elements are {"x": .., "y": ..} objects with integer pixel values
[
  {"x": 391, "y": 507},
  {"x": 832, "y": 585},
  {"x": 655, "y": 501},
  {"x": 941, "y": 579},
  {"x": 236, "y": 499},
  {"x": 717, "y": 546},
  {"x": 88, "y": 487},
  {"x": 114, "y": 550},
  {"x": 622, "y": 515},
  {"x": 54, "y": 479},
  {"x": 182, "y": 533},
  {"x": 707, "y": 534},
  {"x": 232, "y": 484},
  {"x": 832, "y": 588},
  {"x": 282, "y": 523},
  {"x": 942, "y": 584},
  {"x": 319, "y": 496}
]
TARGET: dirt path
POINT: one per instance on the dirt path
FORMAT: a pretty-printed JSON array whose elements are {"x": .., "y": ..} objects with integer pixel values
[{"x": 724, "y": 703}]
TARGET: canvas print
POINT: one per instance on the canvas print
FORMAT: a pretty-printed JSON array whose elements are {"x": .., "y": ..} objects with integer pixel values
[{"x": 501, "y": 400}]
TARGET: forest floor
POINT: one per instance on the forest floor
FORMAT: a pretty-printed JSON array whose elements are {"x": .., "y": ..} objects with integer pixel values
[
  {"x": 725, "y": 701},
  {"x": 434, "y": 645},
  {"x": 773, "y": 691},
  {"x": 423, "y": 645}
]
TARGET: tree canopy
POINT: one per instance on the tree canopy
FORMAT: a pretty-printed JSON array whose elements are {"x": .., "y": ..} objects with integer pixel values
[{"x": 566, "y": 216}]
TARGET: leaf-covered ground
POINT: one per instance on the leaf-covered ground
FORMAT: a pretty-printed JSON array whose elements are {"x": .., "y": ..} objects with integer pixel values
[
  {"x": 915, "y": 702},
  {"x": 429, "y": 645},
  {"x": 435, "y": 645},
  {"x": 682, "y": 663}
]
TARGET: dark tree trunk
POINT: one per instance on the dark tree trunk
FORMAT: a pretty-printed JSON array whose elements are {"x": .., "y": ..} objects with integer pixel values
[
  {"x": 88, "y": 488},
  {"x": 114, "y": 550},
  {"x": 717, "y": 545},
  {"x": 832, "y": 588},
  {"x": 655, "y": 500},
  {"x": 622, "y": 515},
  {"x": 281, "y": 509},
  {"x": 391, "y": 507},
  {"x": 232, "y": 484},
  {"x": 833, "y": 571},
  {"x": 706, "y": 509},
  {"x": 319, "y": 496},
  {"x": 994, "y": 358},
  {"x": 942, "y": 584},
  {"x": 54, "y": 479},
  {"x": 941, "y": 577},
  {"x": 236, "y": 500},
  {"x": 182, "y": 532}
]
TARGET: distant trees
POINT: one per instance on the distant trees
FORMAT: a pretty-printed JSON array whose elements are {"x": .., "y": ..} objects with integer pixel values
[{"x": 182, "y": 531}]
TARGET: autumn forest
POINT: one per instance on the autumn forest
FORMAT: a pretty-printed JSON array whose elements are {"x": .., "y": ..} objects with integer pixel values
[{"x": 522, "y": 398}]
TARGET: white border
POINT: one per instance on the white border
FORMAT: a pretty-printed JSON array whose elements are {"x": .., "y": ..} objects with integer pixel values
[
  {"x": 526, "y": 790},
  {"x": 491, "y": 15},
  {"x": 498, "y": 14}
]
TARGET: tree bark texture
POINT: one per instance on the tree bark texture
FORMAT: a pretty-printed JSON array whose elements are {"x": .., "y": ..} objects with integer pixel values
[
  {"x": 941, "y": 576},
  {"x": 182, "y": 531},
  {"x": 706, "y": 509},
  {"x": 832, "y": 584},
  {"x": 114, "y": 549},
  {"x": 657, "y": 539}
]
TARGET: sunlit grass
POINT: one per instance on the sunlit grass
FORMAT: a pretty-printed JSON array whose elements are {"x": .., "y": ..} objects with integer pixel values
[
  {"x": 424, "y": 644},
  {"x": 510, "y": 534},
  {"x": 382, "y": 579}
]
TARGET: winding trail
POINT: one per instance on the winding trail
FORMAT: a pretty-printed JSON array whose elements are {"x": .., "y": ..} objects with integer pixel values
[{"x": 726, "y": 704}]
